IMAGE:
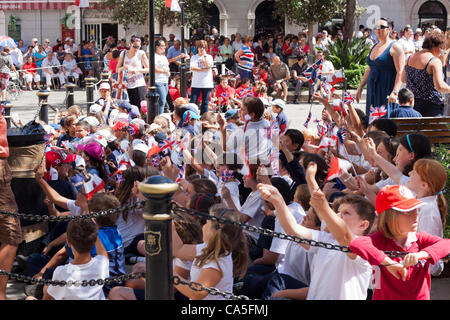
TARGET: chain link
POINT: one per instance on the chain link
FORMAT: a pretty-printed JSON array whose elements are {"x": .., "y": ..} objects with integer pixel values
[
  {"x": 70, "y": 283},
  {"x": 267, "y": 232},
  {"x": 43, "y": 218},
  {"x": 212, "y": 291}
]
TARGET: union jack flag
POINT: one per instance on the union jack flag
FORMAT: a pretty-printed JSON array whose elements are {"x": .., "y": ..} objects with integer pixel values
[
  {"x": 227, "y": 175},
  {"x": 119, "y": 86},
  {"x": 321, "y": 130},
  {"x": 308, "y": 119},
  {"x": 245, "y": 92},
  {"x": 314, "y": 71},
  {"x": 167, "y": 144},
  {"x": 180, "y": 176},
  {"x": 155, "y": 161},
  {"x": 348, "y": 98},
  {"x": 377, "y": 112},
  {"x": 337, "y": 106},
  {"x": 328, "y": 89}
]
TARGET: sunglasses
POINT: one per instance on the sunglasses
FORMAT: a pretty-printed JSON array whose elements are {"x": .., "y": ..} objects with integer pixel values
[
  {"x": 136, "y": 46},
  {"x": 381, "y": 27}
]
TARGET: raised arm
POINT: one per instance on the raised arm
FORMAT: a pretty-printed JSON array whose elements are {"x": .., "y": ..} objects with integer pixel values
[
  {"x": 286, "y": 218},
  {"x": 337, "y": 226}
]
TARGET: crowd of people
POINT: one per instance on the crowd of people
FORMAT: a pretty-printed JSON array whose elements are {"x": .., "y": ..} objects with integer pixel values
[{"x": 349, "y": 181}]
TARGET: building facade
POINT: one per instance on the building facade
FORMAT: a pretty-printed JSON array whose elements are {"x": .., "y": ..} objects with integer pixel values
[{"x": 42, "y": 19}]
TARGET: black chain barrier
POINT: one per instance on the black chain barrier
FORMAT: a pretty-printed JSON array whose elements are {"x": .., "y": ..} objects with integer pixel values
[
  {"x": 267, "y": 232},
  {"x": 176, "y": 209},
  {"x": 44, "y": 218}
]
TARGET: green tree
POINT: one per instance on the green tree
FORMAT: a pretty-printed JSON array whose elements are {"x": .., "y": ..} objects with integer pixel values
[{"x": 128, "y": 12}]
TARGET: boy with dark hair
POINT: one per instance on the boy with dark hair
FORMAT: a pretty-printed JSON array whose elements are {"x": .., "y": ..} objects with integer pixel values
[
  {"x": 250, "y": 141},
  {"x": 406, "y": 105},
  {"x": 384, "y": 124},
  {"x": 82, "y": 235}
]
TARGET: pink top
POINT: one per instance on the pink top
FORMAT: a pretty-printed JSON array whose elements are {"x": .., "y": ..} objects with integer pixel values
[{"x": 418, "y": 280}]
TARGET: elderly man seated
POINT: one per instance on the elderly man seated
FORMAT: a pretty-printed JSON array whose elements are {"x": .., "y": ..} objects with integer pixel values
[{"x": 52, "y": 69}]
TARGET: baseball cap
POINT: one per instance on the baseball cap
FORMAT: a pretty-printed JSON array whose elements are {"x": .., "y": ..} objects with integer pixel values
[
  {"x": 125, "y": 105},
  {"x": 230, "y": 113},
  {"x": 55, "y": 126},
  {"x": 192, "y": 107},
  {"x": 134, "y": 112},
  {"x": 95, "y": 108},
  {"x": 138, "y": 121},
  {"x": 418, "y": 30},
  {"x": 93, "y": 121},
  {"x": 35, "y": 40},
  {"x": 160, "y": 137},
  {"x": 93, "y": 149},
  {"x": 121, "y": 125},
  {"x": 136, "y": 129},
  {"x": 279, "y": 103},
  {"x": 140, "y": 145},
  {"x": 105, "y": 86},
  {"x": 56, "y": 158},
  {"x": 399, "y": 198},
  {"x": 188, "y": 115}
]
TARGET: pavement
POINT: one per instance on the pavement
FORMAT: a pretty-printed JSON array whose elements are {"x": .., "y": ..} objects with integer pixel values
[{"x": 25, "y": 108}]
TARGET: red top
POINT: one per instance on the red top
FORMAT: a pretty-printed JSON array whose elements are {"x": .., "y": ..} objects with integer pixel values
[
  {"x": 174, "y": 93},
  {"x": 225, "y": 94},
  {"x": 112, "y": 66},
  {"x": 4, "y": 149},
  {"x": 286, "y": 49},
  {"x": 418, "y": 279},
  {"x": 30, "y": 67}
]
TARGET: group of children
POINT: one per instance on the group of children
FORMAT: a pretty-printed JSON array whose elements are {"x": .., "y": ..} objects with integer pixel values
[{"x": 351, "y": 183}]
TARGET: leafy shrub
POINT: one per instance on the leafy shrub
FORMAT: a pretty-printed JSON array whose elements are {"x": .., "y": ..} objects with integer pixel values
[
  {"x": 348, "y": 55},
  {"x": 354, "y": 76}
]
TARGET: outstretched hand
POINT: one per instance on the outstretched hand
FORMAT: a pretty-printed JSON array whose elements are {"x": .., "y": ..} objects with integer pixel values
[{"x": 270, "y": 193}]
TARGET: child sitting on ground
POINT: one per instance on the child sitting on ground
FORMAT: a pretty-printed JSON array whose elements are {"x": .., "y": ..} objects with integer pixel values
[{"x": 82, "y": 236}]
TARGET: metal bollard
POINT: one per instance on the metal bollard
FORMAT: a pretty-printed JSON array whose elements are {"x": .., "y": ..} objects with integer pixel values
[
  {"x": 89, "y": 92},
  {"x": 158, "y": 237},
  {"x": 7, "y": 113},
  {"x": 152, "y": 104},
  {"x": 43, "y": 97},
  {"x": 105, "y": 77},
  {"x": 69, "y": 94}
]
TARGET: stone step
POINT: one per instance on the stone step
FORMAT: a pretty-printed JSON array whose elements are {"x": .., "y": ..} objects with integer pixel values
[{"x": 304, "y": 95}]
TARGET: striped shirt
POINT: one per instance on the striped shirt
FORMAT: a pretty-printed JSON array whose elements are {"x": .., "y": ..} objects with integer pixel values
[{"x": 246, "y": 59}]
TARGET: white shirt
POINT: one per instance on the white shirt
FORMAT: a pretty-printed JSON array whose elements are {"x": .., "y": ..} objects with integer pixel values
[
  {"x": 129, "y": 229},
  {"x": 253, "y": 140},
  {"x": 226, "y": 264},
  {"x": 72, "y": 49},
  {"x": 296, "y": 263},
  {"x": 162, "y": 63},
  {"x": 253, "y": 207},
  {"x": 16, "y": 56},
  {"x": 97, "y": 268},
  {"x": 334, "y": 276},
  {"x": 407, "y": 45},
  {"x": 237, "y": 45},
  {"x": 134, "y": 63},
  {"x": 327, "y": 66},
  {"x": 279, "y": 245},
  {"x": 202, "y": 79},
  {"x": 404, "y": 180},
  {"x": 48, "y": 64},
  {"x": 430, "y": 222},
  {"x": 233, "y": 187}
]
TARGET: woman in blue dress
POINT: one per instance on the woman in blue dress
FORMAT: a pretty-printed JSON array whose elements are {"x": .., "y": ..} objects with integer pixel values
[{"x": 385, "y": 63}]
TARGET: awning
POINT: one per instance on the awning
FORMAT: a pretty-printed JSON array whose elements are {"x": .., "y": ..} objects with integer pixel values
[{"x": 41, "y": 4}]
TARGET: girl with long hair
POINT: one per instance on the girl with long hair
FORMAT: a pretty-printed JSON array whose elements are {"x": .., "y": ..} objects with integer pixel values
[{"x": 216, "y": 262}]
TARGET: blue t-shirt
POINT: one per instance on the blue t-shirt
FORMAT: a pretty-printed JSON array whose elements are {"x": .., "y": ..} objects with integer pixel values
[
  {"x": 112, "y": 241},
  {"x": 405, "y": 112}
]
